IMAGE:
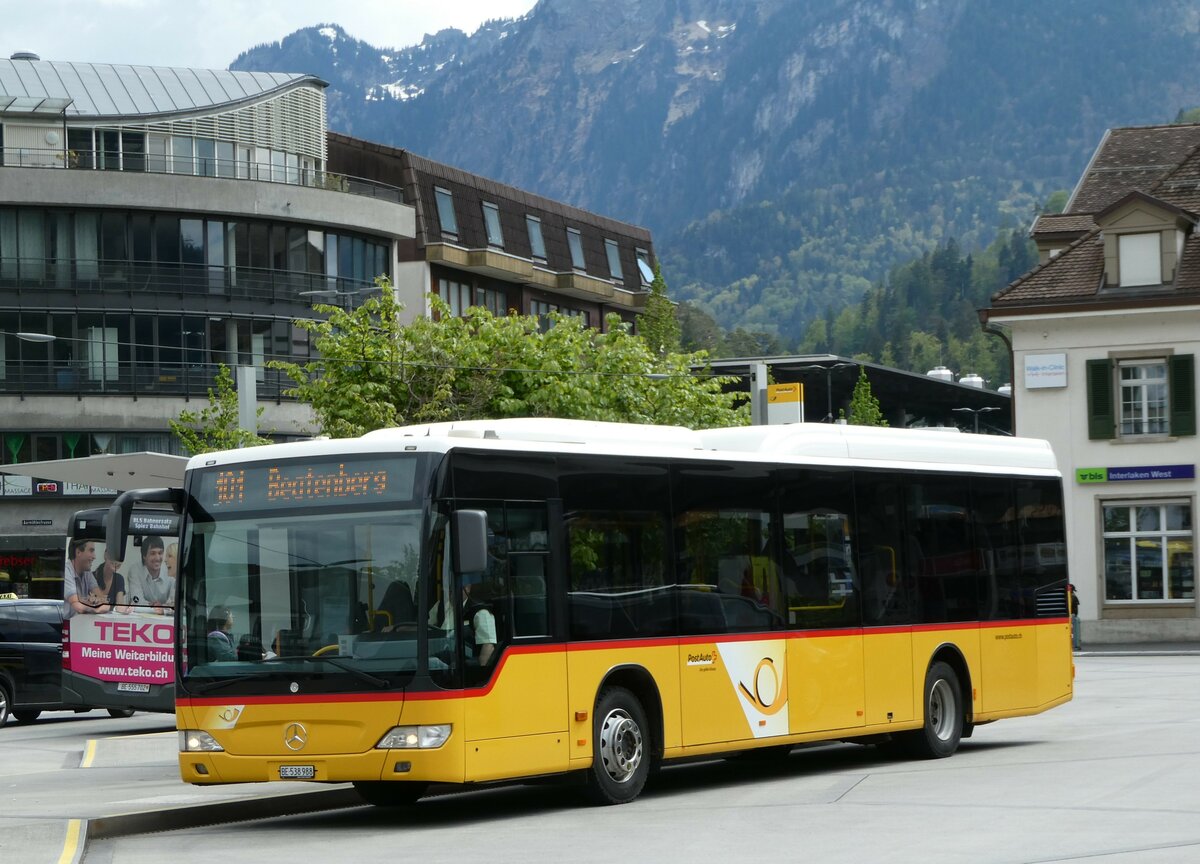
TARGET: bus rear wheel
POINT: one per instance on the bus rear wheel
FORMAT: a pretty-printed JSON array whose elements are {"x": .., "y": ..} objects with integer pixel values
[
  {"x": 120, "y": 712},
  {"x": 621, "y": 749},
  {"x": 943, "y": 706},
  {"x": 26, "y": 716},
  {"x": 383, "y": 793}
]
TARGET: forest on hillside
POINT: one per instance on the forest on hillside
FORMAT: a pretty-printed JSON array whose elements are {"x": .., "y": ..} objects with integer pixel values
[{"x": 922, "y": 315}]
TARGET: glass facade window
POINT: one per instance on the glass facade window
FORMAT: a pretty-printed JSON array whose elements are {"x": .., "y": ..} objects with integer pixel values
[
  {"x": 206, "y": 157},
  {"x": 491, "y": 222},
  {"x": 1144, "y": 409},
  {"x": 575, "y": 244},
  {"x": 460, "y": 296},
  {"x": 614, "y": 259},
  {"x": 542, "y": 310},
  {"x": 537, "y": 243},
  {"x": 157, "y": 148},
  {"x": 110, "y": 149},
  {"x": 59, "y": 248},
  {"x": 445, "y": 209},
  {"x": 181, "y": 155},
  {"x": 81, "y": 149},
  {"x": 1148, "y": 551},
  {"x": 133, "y": 151}
]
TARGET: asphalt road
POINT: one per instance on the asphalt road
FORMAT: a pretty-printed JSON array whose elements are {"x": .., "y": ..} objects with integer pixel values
[{"x": 1111, "y": 777}]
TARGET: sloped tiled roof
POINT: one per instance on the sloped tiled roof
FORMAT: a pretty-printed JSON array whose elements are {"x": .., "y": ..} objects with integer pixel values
[
  {"x": 1062, "y": 223},
  {"x": 1132, "y": 158},
  {"x": 1181, "y": 186},
  {"x": 1073, "y": 274},
  {"x": 1158, "y": 163}
]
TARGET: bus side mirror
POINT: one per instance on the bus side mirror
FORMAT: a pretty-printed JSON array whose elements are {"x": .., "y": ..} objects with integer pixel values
[
  {"x": 116, "y": 523},
  {"x": 469, "y": 529}
]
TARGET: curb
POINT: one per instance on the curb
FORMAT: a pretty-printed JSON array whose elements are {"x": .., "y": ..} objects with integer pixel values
[{"x": 221, "y": 812}]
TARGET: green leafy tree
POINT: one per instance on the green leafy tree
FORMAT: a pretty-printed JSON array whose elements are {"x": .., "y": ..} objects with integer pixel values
[
  {"x": 372, "y": 371},
  {"x": 698, "y": 331},
  {"x": 656, "y": 323},
  {"x": 216, "y": 427},
  {"x": 864, "y": 407}
]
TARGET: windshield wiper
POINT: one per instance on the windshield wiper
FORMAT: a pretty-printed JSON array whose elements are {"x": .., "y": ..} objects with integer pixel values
[
  {"x": 367, "y": 677},
  {"x": 205, "y": 686}
]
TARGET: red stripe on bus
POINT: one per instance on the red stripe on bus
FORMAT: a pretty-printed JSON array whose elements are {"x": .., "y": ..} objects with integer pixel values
[{"x": 611, "y": 645}]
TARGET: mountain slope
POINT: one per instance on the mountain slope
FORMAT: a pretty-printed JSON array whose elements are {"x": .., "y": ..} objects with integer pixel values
[{"x": 785, "y": 152}]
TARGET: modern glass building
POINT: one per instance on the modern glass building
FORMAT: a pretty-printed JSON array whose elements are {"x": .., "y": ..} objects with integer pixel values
[{"x": 154, "y": 224}]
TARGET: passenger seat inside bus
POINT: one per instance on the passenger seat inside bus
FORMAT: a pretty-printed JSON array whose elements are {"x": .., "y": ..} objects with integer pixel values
[{"x": 397, "y": 605}]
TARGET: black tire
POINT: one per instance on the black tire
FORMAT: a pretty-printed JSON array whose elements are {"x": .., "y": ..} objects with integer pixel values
[
  {"x": 383, "y": 793},
  {"x": 120, "y": 712},
  {"x": 943, "y": 709},
  {"x": 5, "y": 701},
  {"x": 26, "y": 716},
  {"x": 621, "y": 748}
]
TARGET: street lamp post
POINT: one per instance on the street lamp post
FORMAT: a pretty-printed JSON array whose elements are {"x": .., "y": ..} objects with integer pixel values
[
  {"x": 976, "y": 412},
  {"x": 828, "y": 370}
]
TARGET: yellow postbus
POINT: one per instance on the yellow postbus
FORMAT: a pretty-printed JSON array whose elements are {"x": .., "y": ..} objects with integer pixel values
[{"x": 493, "y": 600}]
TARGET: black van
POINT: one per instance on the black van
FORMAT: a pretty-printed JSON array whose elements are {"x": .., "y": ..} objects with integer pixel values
[{"x": 30, "y": 658}]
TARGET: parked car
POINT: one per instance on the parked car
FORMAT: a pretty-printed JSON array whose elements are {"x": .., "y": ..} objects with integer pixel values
[{"x": 31, "y": 659}]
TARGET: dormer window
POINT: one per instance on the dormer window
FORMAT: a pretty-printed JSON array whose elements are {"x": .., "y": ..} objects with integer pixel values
[
  {"x": 575, "y": 244},
  {"x": 614, "y": 259},
  {"x": 445, "y": 211},
  {"x": 491, "y": 222},
  {"x": 537, "y": 243},
  {"x": 1140, "y": 259}
]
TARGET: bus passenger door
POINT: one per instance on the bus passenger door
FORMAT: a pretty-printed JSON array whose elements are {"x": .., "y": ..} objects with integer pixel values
[
  {"x": 516, "y": 706},
  {"x": 825, "y": 653},
  {"x": 885, "y": 570}
]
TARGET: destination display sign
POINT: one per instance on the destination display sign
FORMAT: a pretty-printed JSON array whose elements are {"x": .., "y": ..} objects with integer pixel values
[{"x": 323, "y": 482}]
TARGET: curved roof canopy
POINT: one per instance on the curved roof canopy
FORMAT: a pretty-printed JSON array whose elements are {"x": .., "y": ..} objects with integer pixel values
[{"x": 105, "y": 90}]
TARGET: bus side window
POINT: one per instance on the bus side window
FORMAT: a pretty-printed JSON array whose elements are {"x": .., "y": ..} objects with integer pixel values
[{"x": 887, "y": 584}]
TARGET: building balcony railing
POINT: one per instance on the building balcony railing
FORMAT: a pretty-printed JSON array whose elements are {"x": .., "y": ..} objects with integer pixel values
[
  {"x": 127, "y": 378},
  {"x": 195, "y": 166},
  {"x": 29, "y": 277}
]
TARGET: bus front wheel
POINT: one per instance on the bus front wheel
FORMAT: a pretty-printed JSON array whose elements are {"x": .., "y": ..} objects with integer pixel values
[
  {"x": 943, "y": 707},
  {"x": 620, "y": 748},
  {"x": 383, "y": 793}
]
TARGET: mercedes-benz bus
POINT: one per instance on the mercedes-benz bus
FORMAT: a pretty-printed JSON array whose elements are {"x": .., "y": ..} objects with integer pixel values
[{"x": 496, "y": 600}]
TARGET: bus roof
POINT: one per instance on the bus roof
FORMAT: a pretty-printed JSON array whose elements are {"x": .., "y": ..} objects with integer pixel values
[{"x": 818, "y": 443}]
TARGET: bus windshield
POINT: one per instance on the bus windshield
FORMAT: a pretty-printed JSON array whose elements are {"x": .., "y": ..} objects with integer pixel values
[{"x": 318, "y": 592}]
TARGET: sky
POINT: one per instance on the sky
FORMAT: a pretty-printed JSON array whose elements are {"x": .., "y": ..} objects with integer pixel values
[{"x": 211, "y": 33}]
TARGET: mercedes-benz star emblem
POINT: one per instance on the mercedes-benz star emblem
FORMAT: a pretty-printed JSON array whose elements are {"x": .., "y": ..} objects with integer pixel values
[{"x": 295, "y": 736}]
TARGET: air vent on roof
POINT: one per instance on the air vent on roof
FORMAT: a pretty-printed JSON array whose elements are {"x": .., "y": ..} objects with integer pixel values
[
  {"x": 24, "y": 55},
  {"x": 941, "y": 373},
  {"x": 972, "y": 380}
]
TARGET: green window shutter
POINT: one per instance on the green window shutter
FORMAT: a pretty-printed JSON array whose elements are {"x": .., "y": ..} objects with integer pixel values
[
  {"x": 1181, "y": 378},
  {"x": 1102, "y": 419}
]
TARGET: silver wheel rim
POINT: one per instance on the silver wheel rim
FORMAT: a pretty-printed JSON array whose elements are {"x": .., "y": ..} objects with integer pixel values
[
  {"x": 3, "y": 706},
  {"x": 941, "y": 709},
  {"x": 620, "y": 745}
]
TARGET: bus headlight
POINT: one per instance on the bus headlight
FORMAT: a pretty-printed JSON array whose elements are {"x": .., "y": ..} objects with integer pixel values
[
  {"x": 196, "y": 741},
  {"x": 414, "y": 737}
]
